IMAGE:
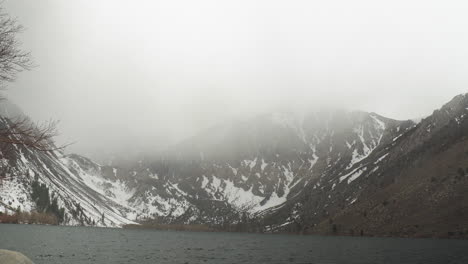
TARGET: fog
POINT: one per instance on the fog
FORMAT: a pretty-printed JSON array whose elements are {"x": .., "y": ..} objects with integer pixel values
[{"x": 138, "y": 75}]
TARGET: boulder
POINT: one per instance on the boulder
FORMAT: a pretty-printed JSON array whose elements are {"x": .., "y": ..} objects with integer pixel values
[{"x": 12, "y": 257}]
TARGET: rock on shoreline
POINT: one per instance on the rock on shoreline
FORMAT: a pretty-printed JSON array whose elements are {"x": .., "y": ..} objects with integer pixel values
[{"x": 12, "y": 257}]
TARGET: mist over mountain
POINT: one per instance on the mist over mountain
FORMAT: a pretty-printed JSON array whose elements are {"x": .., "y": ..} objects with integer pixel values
[
  {"x": 209, "y": 131},
  {"x": 328, "y": 172},
  {"x": 124, "y": 77}
]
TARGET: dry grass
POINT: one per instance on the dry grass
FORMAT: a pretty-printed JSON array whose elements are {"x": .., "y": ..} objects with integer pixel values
[{"x": 29, "y": 218}]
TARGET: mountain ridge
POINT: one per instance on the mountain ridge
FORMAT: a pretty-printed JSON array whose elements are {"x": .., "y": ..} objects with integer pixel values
[{"x": 272, "y": 173}]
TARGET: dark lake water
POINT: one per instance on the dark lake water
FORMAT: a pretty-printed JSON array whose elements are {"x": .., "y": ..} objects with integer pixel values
[{"x": 71, "y": 245}]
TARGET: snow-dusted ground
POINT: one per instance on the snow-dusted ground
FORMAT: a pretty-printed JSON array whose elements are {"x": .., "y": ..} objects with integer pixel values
[{"x": 15, "y": 195}]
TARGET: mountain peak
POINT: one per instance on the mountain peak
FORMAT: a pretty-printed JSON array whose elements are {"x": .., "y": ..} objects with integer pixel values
[{"x": 459, "y": 102}]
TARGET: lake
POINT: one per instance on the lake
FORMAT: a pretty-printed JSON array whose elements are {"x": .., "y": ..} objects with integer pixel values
[{"x": 73, "y": 245}]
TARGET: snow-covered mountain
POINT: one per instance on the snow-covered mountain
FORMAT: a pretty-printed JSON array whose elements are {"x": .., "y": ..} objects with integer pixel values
[
  {"x": 414, "y": 183},
  {"x": 281, "y": 171},
  {"x": 82, "y": 205},
  {"x": 243, "y": 167}
]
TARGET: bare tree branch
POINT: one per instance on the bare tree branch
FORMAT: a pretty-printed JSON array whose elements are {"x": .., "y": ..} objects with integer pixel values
[
  {"x": 14, "y": 60},
  {"x": 24, "y": 132}
]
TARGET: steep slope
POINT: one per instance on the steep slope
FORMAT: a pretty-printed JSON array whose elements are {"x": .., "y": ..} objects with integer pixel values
[
  {"x": 23, "y": 169},
  {"x": 414, "y": 185}
]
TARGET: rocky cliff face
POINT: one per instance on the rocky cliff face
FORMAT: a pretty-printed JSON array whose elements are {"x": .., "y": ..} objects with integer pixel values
[
  {"x": 413, "y": 184},
  {"x": 331, "y": 172}
]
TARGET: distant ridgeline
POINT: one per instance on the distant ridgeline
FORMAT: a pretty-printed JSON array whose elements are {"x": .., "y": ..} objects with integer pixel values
[{"x": 330, "y": 172}]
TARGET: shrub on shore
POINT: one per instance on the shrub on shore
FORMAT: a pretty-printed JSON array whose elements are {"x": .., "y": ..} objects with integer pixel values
[{"x": 29, "y": 218}]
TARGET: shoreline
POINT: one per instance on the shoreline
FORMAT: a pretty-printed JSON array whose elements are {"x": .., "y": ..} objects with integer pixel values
[{"x": 187, "y": 228}]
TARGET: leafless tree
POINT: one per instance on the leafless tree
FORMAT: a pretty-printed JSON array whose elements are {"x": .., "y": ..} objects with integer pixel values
[
  {"x": 24, "y": 132},
  {"x": 13, "y": 60}
]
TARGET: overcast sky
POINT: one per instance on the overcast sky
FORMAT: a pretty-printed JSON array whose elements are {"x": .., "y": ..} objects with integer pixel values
[{"x": 144, "y": 73}]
